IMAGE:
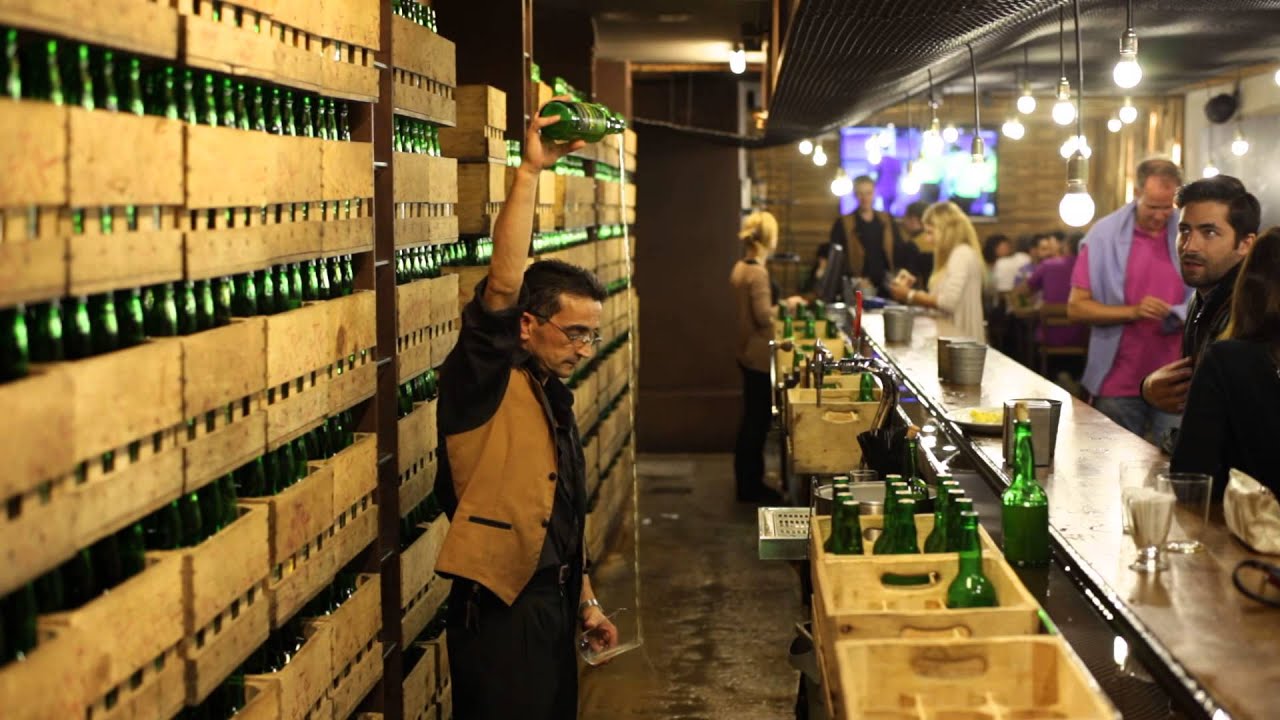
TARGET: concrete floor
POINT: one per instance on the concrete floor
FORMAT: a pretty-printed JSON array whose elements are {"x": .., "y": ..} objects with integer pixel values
[{"x": 716, "y": 621}]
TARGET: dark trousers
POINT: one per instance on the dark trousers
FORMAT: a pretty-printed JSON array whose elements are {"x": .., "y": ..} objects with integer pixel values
[
  {"x": 748, "y": 454},
  {"x": 517, "y": 661}
]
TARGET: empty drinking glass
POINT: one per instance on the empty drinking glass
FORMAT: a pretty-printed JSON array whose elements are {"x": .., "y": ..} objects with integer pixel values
[{"x": 1191, "y": 492}]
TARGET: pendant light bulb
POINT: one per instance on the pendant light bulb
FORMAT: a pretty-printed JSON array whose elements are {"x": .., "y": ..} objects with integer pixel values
[
  {"x": 1239, "y": 146},
  {"x": 888, "y": 136},
  {"x": 819, "y": 156},
  {"x": 1278, "y": 77},
  {"x": 842, "y": 185},
  {"x": 806, "y": 147},
  {"x": 1076, "y": 208},
  {"x": 1128, "y": 73},
  {"x": 1064, "y": 111},
  {"x": 950, "y": 134},
  {"x": 1114, "y": 124},
  {"x": 738, "y": 59},
  {"x": 1128, "y": 113},
  {"x": 931, "y": 141},
  {"x": 1013, "y": 129},
  {"x": 911, "y": 182},
  {"x": 1210, "y": 170},
  {"x": 1074, "y": 144},
  {"x": 1027, "y": 102}
]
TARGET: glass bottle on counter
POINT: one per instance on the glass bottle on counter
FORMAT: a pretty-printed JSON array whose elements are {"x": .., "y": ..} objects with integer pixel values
[
  {"x": 971, "y": 588},
  {"x": 580, "y": 121},
  {"x": 1024, "y": 505}
]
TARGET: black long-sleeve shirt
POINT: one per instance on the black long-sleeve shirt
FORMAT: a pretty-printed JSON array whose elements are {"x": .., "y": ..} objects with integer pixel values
[{"x": 1232, "y": 418}]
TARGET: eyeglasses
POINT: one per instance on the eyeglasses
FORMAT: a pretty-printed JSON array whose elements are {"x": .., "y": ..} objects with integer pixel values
[{"x": 591, "y": 338}]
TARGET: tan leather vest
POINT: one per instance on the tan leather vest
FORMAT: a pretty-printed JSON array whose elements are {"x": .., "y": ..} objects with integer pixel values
[
  {"x": 853, "y": 245},
  {"x": 504, "y": 474}
]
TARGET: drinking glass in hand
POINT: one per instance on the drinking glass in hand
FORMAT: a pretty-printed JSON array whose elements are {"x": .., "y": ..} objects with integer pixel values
[{"x": 1191, "y": 492}]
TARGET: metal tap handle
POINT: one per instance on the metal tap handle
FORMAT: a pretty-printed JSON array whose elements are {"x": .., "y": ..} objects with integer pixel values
[{"x": 818, "y": 367}]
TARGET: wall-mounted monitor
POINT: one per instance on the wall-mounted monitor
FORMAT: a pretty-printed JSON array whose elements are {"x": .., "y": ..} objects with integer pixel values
[{"x": 909, "y": 165}]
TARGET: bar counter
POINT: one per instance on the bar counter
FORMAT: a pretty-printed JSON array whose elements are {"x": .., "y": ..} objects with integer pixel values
[{"x": 1214, "y": 651}]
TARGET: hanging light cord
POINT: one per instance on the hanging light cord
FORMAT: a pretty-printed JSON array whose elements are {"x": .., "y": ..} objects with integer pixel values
[
  {"x": 1026, "y": 66},
  {"x": 1062, "y": 31},
  {"x": 910, "y": 143},
  {"x": 1079, "y": 76},
  {"x": 1129, "y": 16},
  {"x": 973, "y": 68}
]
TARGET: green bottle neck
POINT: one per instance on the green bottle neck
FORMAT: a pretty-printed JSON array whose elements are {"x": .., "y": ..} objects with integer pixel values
[{"x": 970, "y": 548}]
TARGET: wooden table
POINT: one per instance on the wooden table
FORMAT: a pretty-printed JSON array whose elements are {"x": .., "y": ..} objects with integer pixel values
[{"x": 1222, "y": 648}]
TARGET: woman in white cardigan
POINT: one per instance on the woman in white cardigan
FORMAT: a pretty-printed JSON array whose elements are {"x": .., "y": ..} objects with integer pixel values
[{"x": 956, "y": 284}]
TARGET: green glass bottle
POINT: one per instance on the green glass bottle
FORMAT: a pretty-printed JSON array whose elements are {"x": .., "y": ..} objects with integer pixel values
[
  {"x": 348, "y": 275},
  {"x": 295, "y": 286},
  {"x": 867, "y": 388},
  {"x": 251, "y": 478},
  {"x": 241, "y": 111},
  {"x": 892, "y": 486},
  {"x": 274, "y": 119},
  {"x": 165, "y": 529},
  {"x": 13, "y": 65},
  {"x": 169, "y": 95},
  {"x": 133, "y": 549},
  {"x": 324, "y": 290},
  {"x": 189, "y": 112},
  {"x": 910, "y": 461},
  {"x": 850, "y": 527},
  {"x": 259, "y": 111},
  {"x": 19, "y": 609},
  {"x": 227, "y": 488},
  {"x": 290, "y": 121},
  {"x": 904, "y": 527},
  {"x": 936, "y": 542},
  {"x": 104, "y": 329},
  {"x": 284, "y": 290},
  {"x": 311, "y": 283},
  {"x": 344, "y": 121},
  {"x": 221, "y": 295},
  {"x": 788, "y": 330},
  {"x": 193, "y": 529},
  {"x": 266, "y": 289},
  {"x": 45, "y": 332},
  {"x": 955, "y": 528},
  {"x": 108, "y": 561},
  {"x": 53, "y": 90},
  {"x": 208, "y": 103},
  {"x": 971, "y": 588},
  {"x": 131, "y": 324},
  {"x": 109, "y": 99},
  {"x": 187, "y": 307},
  {"x": 15, "y": 352},
  {"x": 84, "y": 88},
  {"x": 1024, "y": 505},
  {"x": 209, "y": 500},
  {"x": 78, "y": 341},
  {"x": 580, "y": 121},
  {"x": 78, "y": 580},
  {"x": 161, "y": 311},
  {"x": 51, "y": 592},
  {"x": 300, "y": 459},
  {"x": 810, "y": 328},
  {"x": 244, "y": 296}
]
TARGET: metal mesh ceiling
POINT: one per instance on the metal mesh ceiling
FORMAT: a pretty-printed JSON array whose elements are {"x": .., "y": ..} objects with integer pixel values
[{"x": 845, "y": 59}]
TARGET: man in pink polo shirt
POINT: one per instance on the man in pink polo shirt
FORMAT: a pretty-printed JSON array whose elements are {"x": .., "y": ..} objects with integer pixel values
[{"x": 1127, "y": 287}]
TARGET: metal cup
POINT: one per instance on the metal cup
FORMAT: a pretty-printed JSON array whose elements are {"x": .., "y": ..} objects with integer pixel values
[
  {"x": 1042, "y": 437},
  {"x": 897, "y": 325},
  {"x": 944, "y": 356},
  {"x": 967, "y": 362},
  {"x": 1055, "y": 414}
]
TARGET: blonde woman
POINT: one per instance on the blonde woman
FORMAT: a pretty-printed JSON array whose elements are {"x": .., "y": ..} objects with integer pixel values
[
  {"x": 754, "y": 299},
  {"x": 956, "y": 284}
]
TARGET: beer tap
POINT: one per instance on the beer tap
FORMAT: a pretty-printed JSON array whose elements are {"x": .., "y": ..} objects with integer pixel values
[{"x": 886, "y": 373}]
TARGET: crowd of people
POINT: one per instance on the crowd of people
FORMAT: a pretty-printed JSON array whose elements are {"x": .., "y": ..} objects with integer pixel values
[{"x": 1165, "y": 315}]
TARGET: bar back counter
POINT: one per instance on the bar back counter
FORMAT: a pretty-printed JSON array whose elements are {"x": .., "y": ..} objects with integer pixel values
[{"x": 1179, "y": 643}]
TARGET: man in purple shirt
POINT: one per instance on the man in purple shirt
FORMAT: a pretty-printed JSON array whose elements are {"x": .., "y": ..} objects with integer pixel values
[
  {"x": 1052, "y": 280},
  {"x": 1127, "y": 287}
]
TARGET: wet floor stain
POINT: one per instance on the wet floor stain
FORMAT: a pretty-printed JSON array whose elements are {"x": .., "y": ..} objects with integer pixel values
[{"x": 717, "y": 621}]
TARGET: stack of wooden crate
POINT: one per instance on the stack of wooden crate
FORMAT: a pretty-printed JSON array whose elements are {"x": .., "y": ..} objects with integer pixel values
[
  {"x": 479, "y": 145},
  {"x": 894, "y": 648}
]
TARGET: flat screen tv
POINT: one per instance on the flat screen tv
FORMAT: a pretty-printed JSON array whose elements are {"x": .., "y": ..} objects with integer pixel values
[{"x": 944, "y": 171}]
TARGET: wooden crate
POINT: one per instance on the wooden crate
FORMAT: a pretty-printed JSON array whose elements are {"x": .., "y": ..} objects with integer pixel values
[
  {"x": 226, "y": 608},
  {"x": 262, "y": 701},
  {"x": 350, "y": 21},
  {"x": 482, "y": 125},
  {"x": 56, "y": 680},
  {"x": 426, "y": 224},
  {"x": 988, "y": 677},
  {"x": 353, "y": 532},
  {"x": 417, "y": 482},
  {"x": 853, "y": 602},
  {"x": 303, "y": 683},
  {"x": 142, "y": 26},
  {"x": 573, "y": 191},
  {"x": 157, "y": 694},
  {"x": 446, "y": 336},
  {"x": 613, "y": 194},
  {"x": 427, "y": 681},
  {"x": 825, "y": 439},
  {"x": 355, "y": 473},
  {"x": 425, "y": 179},
  {"x": 299, "y": 514},
  {"x": 220, "y": 367},
  {"x": 228, "y": 167},
  {"x": 481, "y": 192},
  {"x": 133, "y": 640},
  {"x": 346, "y": 170},
  {"x": 418, "y": 562},
  {"x": 417, "y": 437},
  {"x": 425, "y": 606},
  {"x": 425, "y": 73},
  {"x": 357, "y": 657}
]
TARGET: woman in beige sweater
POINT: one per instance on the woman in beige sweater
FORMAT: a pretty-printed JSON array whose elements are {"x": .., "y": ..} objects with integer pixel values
[
  {"x": 955, "y": 290},
  {"x": 754, "y": 300}
]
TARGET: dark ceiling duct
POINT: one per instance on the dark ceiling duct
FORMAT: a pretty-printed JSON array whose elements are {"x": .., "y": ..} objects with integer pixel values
[{"x": 846, "y": 59}]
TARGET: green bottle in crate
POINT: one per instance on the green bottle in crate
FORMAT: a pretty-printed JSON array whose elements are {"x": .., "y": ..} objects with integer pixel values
[
  {"x": 936, "y": 541},
  {"x": 884, "y": 542},
  {"x": 82, "y": 88},
  {"x": 251, "y": 478},
  {"x": 51, "y": 594},
  {"x": 1024, "y": 505},
  {"x": 971, "y": 588},
  {"x": 904, "y": 526},
  {"x": 330, "y": 118},
  {"x": 222, "y": 301},
  {"x": 275, "y": 122},
  {"x": 241, "y": 111},
  {"x": 258, "y": 112},
  {"x": 244, "y": 296},
  {"x": 265, "y": 286},
  {"x": 133, "y": 548},
  {"x": 186, "y": 307},
  {"x": 14, "y": 348},
  {"x": 78, "y": 580},
  {"x": 130, "y": 322},
  {"x": 79, "y": 333},
  {"x": 227, "y": 488},
  {"x": 291, "y": 121},
  {"x": 108, "y": 97},
  {"x": 955, "y": 527},
  {"x": 208, "y": 103},
  {"x": 866, "y": 388},
  {"x": 193, "y": 523},
  {"x": 12, "y": 65},
  {"x": 19, "y": 610},
  {"x": 209, "y": 499},
  {"x": 294, "y": 296},
  {"x": 108, "y": 561},
  {"x": 846, "y": 527},
  {"x": 204, "y": 311},
  {"x": 580, "y": 121},
  {"x": 311, "y": 283}
]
